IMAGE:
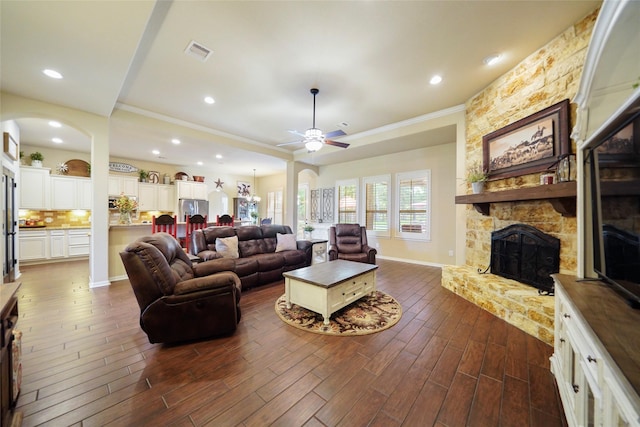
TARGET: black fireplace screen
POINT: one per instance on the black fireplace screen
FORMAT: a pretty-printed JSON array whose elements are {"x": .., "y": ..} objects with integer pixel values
[{"x": 524, "y": 253}]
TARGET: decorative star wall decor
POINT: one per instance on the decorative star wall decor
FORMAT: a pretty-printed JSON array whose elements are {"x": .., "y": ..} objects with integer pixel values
[{"x": 219, "y": 183}]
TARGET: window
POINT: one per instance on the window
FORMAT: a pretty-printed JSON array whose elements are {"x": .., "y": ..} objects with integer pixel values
[
  {"x": 377, "y": 203},
  {"x": 414, "y": 205},
  {"x": 274, "y": 206},
  {"x": 303, "y": 206},
  {"x": 347, "y": 201}
]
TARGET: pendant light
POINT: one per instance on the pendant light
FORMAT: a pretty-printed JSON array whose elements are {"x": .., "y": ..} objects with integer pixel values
[{"x": 252, "y": 198}]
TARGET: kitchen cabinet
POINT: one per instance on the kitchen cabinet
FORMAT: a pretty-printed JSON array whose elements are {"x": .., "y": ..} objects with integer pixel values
[
  {"x": 34, "y": 186},
  {"x": 79, "y": 242},
  {"x": 191, "y": 190},
  {"x": 156, "y": 197},
  {"x": 120, "y": 184},
  {"x": 70, "y": 193},
  {"x": 57, "y": 244},
  {"x": 33, "y": 245}
]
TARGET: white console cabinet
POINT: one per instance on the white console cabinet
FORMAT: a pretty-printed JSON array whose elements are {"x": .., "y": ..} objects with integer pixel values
[{"x": 596, "y": 356}]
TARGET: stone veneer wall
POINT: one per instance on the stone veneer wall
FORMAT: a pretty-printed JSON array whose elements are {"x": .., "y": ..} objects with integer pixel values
[{"x": 546, "y": 77}]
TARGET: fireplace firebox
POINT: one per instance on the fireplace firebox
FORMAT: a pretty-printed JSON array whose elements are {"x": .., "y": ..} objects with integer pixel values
[{"x": 524, "y": 253}]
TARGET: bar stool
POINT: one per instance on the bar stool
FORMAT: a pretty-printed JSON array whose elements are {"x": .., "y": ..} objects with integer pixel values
[
  {"x": 166, "y": 224},
  {"x": 194, "y": 222}
]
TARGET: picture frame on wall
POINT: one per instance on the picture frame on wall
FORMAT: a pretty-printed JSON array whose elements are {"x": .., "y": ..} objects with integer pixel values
[
  {"x": 10, "y": 146},
  {"x": 244, "y": 189},
  {"x": 623, "y": 148},
  {"x": 530, "y": 145}
]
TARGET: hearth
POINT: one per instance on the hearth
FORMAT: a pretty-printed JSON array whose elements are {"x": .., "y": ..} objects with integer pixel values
[{"x": 524, "y": 253}]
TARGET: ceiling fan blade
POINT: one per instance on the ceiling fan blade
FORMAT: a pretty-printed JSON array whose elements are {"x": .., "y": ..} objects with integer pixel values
[
  {"x": 334, "y": 134},
  {"x": 295, "y": 132},
  {"x": 289, "y": 143},
  {"x": 336, "y": 143}
]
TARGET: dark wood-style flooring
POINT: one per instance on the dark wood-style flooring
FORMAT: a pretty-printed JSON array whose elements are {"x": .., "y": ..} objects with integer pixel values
[{"x": 446, "y": 363}]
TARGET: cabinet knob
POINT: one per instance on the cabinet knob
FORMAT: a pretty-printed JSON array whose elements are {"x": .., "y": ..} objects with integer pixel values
[
  {"x": 561, "y": 339},
  {"x": 576, "y": 388},
  {"x": 567, "y": 316},
  {"x": 591, "y": 359}
]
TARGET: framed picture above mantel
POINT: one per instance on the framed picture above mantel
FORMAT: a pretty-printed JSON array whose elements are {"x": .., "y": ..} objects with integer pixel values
[{"x": 530, "y": 145}]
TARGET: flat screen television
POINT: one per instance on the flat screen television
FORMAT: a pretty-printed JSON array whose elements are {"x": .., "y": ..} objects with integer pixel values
[{"x": 612, "y": 171}]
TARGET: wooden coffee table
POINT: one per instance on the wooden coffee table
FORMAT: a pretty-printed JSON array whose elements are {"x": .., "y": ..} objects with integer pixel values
[{"x": 327, "y": 287}]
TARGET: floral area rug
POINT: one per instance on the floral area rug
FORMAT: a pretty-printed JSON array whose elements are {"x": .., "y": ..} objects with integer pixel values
[{"x": 368, "y": 315}]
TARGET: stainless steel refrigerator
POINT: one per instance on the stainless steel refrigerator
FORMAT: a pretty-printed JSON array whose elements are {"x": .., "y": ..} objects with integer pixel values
[{"x": 189, "y": 207}]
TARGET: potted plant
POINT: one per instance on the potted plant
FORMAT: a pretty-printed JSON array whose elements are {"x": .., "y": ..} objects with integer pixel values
[
  {"x": 36, "y": 159},
  {"x": 476, "y": 176},
  {"x": 307, "y": 231},
  {"x": 143, "y": 175}
]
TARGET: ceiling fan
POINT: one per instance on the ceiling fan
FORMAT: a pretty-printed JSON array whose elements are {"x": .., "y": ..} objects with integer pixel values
[{"x": 313, "y": 138}]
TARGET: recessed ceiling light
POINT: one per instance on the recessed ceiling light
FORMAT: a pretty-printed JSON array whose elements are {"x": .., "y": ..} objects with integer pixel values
[
  {"x": 52, "y": 73},
  {"x": 435, "y": 80},
  {"x": 156, "y": 152},
  {"x": 57, "y": 140},
  {"x": 175, "y": 141},
  {"x": 199, "y": 163},
  {"x": 218, "y": 156},
  {"x": 55, "y": 124},
  {"x": 209, "y": 100},
  {"x": 492, "y": 59}
]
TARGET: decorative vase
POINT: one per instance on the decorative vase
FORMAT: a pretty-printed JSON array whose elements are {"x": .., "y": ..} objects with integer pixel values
[
  {"x": 307, "y": 235},
  {"x": 36, "y": 163},
  {"x": 125, "y": 218},
  {"x": 477, "y": 187}
]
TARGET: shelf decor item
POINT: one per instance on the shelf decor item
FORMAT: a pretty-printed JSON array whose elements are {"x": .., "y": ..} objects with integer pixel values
[
  {"x": 476, "y": 176},
  {"x": 36, "y": 159},
  {"x": 125, "y": 206}
]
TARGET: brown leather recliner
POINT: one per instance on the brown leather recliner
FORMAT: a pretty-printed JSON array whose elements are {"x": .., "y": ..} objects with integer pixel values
[
  {"x": 179, "y": 301},
  {"x": 349, "y": 242}
]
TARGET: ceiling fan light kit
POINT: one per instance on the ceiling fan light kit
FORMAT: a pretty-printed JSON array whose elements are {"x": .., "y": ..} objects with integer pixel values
[{"x": 314, "y": 139}]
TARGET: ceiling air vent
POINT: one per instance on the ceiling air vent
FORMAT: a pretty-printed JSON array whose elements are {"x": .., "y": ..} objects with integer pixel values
[{"x": 197, "y": 50}]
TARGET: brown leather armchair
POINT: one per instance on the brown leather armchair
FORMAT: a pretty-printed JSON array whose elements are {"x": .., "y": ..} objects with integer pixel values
[
  {"x": 349, "y": 242},
  {"x": 179, "y": 301}
]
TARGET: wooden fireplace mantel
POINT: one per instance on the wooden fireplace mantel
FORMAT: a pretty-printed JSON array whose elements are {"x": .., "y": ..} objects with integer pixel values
[{"x": 562, "y": 195}]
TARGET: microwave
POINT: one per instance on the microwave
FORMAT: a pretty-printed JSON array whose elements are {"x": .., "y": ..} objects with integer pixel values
[{"x": 113, "y": 199}]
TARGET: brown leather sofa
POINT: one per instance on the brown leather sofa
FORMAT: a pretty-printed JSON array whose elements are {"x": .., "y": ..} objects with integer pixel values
[
  {"x": 349, "y": 242},
  {"x": 179, "y": 301},
  {"x": 258, "y": 262}
]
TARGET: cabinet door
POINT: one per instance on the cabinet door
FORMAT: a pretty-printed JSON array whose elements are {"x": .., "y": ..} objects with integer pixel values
[
  {"x": 34, "y": 188},
  {"x": 200, "y": 191},
  {"x": 57, "y": 244},
  {"x": 63, "y": 193},
  {"x": 165, "y": 198},
  {"x": 130, "y": 186},
  {"x": 85, "y": 194},
  {"x": 184, "y": 189},
  {"x": 33, "y": 245},
  {"x": 147, "y": 197}
]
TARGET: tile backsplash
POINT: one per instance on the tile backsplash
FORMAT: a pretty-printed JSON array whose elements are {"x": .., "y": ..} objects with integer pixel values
[{"x": 56, "y": 218}]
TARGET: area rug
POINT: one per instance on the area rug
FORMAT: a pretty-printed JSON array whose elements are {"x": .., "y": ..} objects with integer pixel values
[{"x": 368, "y": 315}]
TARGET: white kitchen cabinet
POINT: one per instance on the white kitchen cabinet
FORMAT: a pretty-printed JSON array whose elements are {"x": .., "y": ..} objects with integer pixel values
[
  {"x": 120, "y": 184},
  {"x": 79, "y": 242},
  {"x": 156, "y": 197},
  {"x": 34, "y": 186},
  {"x": 33, "y": 245},
  {"x": 69, "y": 192},
  {"x": 191, "y": 190},
  {"x": 57, "y": 244}
]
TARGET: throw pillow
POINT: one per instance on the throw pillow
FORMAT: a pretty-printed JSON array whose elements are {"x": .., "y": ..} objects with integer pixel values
[
  {"x": 286, "y": 242},
  {"x": 227, "y": 246}
]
